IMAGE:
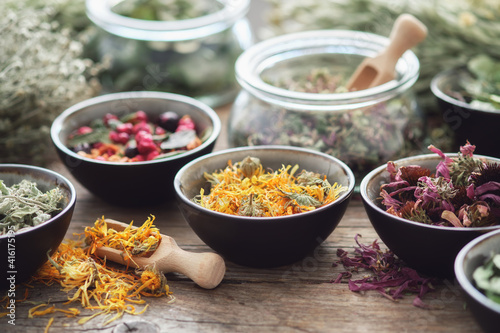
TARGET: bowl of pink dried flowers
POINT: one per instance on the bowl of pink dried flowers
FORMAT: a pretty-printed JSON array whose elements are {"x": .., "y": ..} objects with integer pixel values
[{"x": 426, "y": 208}]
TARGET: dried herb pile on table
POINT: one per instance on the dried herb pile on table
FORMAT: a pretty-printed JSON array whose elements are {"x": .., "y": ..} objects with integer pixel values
[
  {"x": 246, "y": 189},
  {"x": 463, "y": 191},
  {"x": 105, "y": 289},
  {"x": 42, "y": 72},
  {"x": 389, "y": 275},
  {"x": 24, "y": 205}
]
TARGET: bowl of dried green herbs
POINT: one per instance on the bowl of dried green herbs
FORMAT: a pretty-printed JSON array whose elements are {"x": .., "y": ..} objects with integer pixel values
[
  {"x": 425, "y": 208},
  {"x": 36, "y": 207},
  {"x": 469, "y": 100},
  {"x": 477, "y": 269}
]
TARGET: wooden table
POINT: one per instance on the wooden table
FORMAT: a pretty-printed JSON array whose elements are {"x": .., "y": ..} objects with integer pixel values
[{"x": 294, "y": 298}]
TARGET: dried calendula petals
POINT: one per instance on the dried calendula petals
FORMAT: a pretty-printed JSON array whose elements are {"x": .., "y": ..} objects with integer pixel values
[
  {"x": 109, "y": 290},
  {"x": 245, "y": 189},
  {"x": 139, "y": 241}
]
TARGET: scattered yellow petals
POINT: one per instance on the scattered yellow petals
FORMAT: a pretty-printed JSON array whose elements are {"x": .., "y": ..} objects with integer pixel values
[{"x": 95, "y": 285}]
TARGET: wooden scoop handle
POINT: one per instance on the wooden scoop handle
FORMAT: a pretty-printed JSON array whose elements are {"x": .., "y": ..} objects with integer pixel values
[
  {"x": 205, "y": 269},
  {"x": 407, "y": 32}
]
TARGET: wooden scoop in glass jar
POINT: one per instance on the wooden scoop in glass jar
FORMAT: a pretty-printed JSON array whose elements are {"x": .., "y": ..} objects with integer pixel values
[
  {"x": 406, "y": 33},
  {"x": 205, "y": 269}
]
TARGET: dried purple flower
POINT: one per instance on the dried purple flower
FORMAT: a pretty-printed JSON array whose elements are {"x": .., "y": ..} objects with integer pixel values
[
  {"x": 390, "y": 276},
  {"x": 464, "y": 192}
]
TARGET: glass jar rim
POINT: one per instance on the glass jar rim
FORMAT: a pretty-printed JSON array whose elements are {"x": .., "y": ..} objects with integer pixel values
[
  {"x": 252, "y": 62},
  {"x": 99, "y": 12}
]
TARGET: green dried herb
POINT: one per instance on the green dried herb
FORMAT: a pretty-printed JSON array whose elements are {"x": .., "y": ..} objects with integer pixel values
[
  {"x": 23, "y": 205},
  {"x": 480, "y": 86},
  {"x": 487, "y": 278}
]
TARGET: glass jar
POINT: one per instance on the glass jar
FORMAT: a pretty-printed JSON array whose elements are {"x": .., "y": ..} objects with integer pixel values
[
  {"x": 192, "y": 56},
  {"x": 363, "y": 128}
]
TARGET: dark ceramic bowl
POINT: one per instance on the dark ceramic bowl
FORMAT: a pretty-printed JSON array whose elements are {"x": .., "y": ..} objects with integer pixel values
[
  {"x": 428, "y": 249},
  {"x": 479, "y": 127},
  {"x": 263, "y": 241},
  {"x": 473, "y": 255},
  {"x": 29, "y": 246},
  {"x": 132, "y": 183}
]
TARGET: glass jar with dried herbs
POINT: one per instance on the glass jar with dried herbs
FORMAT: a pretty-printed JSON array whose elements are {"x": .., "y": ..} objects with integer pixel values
[
  {"x": 294, "y": 94},
  {"x": 186, "y": 47}
]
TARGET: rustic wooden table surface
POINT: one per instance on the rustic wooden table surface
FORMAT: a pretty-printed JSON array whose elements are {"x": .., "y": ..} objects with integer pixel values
[{"x": 294, "y": 298}]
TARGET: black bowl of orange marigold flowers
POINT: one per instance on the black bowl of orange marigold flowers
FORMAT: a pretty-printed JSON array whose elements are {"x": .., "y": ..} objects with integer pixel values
[
  {"x": 264, "y": 206},
  {"x": 426, "y": 208}
]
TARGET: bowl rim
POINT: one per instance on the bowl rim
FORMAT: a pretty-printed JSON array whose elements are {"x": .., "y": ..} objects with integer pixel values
[
  {"x": 434, "y": 85},
  {"x": 57, "y": 124},
  {"x": 464, "y": 282},
  {"x": 248, "y": 219},
  {"x": 364, "y": 195},
  {"x": 65, "y": 181}
]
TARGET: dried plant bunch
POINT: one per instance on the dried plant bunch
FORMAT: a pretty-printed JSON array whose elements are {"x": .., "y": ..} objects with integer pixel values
[{"x": 41, "y": 74}]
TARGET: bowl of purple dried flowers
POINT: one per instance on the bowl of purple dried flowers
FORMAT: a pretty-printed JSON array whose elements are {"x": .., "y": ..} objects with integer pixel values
[
  {"x": 477, "y": 268},
  {"x": 426, "y": 208}
]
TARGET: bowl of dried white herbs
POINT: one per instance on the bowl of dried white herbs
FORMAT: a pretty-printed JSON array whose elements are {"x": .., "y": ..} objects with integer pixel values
[
  {"x": 36, "y": 207},
  {"x": 477, "y": 269}
]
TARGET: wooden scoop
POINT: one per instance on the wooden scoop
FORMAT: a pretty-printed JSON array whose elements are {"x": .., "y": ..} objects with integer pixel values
[
  {"x": 406, "y": 33},
  {"x": 205, "y": 269}
]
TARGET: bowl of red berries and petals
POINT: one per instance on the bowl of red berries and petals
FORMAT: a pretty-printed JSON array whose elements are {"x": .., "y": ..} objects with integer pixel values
[
  {"x": 425, "y": 208},
  {"x": 127, "y": 147}
]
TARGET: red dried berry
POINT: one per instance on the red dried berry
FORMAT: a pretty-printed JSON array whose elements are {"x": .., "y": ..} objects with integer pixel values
[
  {"x": 141, "y": 116},
  {"x": 125, "y": 128},
  {"x": 142, "y": 126},
  {"x": 152, "y": 155},
  {"x": 143, "y": 136},
  {"x": 185, "y": 123},
  {"x": 113, "y": 136},
  {"x": 84, "y": 130},
  {"x": 138, "y": 158},
  {"x": 145, "y": 147},
  {"x": 108, "y": 116},
  {"x": 123, "y": 138},
  {"x": 160, "y": 130}
]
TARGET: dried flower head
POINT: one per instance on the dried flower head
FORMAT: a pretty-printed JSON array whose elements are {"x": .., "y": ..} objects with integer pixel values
[{"x": 464, "y": 192}]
